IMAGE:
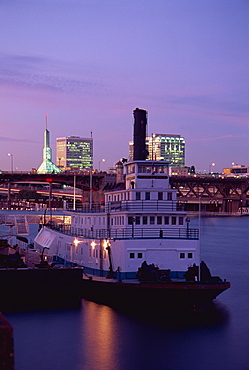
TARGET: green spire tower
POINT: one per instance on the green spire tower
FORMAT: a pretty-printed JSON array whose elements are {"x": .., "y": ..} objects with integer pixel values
[{"x": 47, "y": 165}]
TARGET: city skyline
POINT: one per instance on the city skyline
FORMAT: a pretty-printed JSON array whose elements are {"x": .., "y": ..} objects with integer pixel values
[{"x": 88, "y": 65}]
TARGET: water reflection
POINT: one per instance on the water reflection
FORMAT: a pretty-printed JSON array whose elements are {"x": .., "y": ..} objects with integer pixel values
[{"x": 100, "y": 334}]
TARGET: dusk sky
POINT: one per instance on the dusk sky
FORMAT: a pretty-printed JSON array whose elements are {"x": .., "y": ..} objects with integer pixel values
[{"x": 89, "y": 63}]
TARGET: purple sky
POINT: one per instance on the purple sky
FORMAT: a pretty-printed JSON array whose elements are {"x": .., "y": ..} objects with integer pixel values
[{"x": 89, "y": 63}]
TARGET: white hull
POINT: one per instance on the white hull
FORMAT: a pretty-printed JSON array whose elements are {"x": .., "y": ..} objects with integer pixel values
[{"x": 127, "y": 254}]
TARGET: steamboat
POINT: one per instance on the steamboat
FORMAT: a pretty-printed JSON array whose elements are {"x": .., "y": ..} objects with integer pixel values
[{"x": 137, "y": 247}]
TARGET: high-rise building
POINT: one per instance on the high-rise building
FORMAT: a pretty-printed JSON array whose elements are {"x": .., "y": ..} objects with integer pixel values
[
  {"x": 165, "y": 147},
  {"x": 74, "y": 153}
]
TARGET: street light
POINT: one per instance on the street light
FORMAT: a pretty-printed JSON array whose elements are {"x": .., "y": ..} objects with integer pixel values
[
  {"x": 212, "y": 164},
  {"x": 102, "y": 160},
  {"x": 11, "y": 161}
]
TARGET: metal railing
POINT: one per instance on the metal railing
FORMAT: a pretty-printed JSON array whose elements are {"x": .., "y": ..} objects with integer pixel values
[
  {"x": 128, "y": 233},
  {"x": 132, "y": 206}
]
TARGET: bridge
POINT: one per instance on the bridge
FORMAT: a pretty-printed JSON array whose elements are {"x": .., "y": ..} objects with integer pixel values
[
  {"x": 77, "y": 179},
  {"x": 216, "y": 193}
]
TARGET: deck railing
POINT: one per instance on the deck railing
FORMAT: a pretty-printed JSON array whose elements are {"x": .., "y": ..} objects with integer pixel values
[
  {"x": 132, "y": 206},
  {"x": 127, "y": 233}
]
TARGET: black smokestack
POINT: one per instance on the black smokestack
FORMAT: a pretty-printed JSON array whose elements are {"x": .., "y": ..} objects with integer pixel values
[{"x": 140, "y": 130}]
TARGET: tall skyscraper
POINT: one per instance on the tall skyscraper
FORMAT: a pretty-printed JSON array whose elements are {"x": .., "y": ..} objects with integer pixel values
[
  {"x": 74, "y": 153},
  {"x": 47, "y": 165},
  {"x": 164, "y": 147}
]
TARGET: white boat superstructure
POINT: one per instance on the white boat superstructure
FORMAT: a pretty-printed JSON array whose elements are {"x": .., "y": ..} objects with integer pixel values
[{"x": 143, "y": 222}]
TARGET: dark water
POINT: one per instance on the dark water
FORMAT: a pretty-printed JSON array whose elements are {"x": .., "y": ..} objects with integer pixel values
[{"x": 94, "y": 336}]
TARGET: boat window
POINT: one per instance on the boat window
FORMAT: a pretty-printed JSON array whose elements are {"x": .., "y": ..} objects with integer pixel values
[
  {"x": 137, "y": 220},
  {"x": 90, "y": 252},
  {"x": 130, "y": 220},
  {"x": 145, "y": 220},
  {"x": 169, "y": 196},
  {"x": 166, "y": 220},
  {"x": 131, "y": 168},
  {"x": 173, "y": 220},
  {"x": 138, "y": 195},
  {"x": 132, "y": 255},
  {"x": 147, "y": 195},
  {"x": 182, "y": 255},
  {"x": 180, "y": 220},
  {"x": 152, "y": 220},
  {"x": 160, "y": 195},
  {"x": 159, "y": 220},
  {"x": 140, "y": 255},
  {"x": 190, "y": 255}
]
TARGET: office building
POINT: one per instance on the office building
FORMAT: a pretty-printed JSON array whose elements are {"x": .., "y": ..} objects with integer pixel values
[
  {"x": 74, "y": 153},
  {"x": 165, "y": 147}
]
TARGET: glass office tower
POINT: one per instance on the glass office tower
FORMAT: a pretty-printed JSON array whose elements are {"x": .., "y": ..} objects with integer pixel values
[
  {"x": 74, "y": 153},
  {"x": 165, "y": 147}
]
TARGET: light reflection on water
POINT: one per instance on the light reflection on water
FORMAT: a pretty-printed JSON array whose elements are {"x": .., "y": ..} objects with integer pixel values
[{"x": 100, "y": 336}]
